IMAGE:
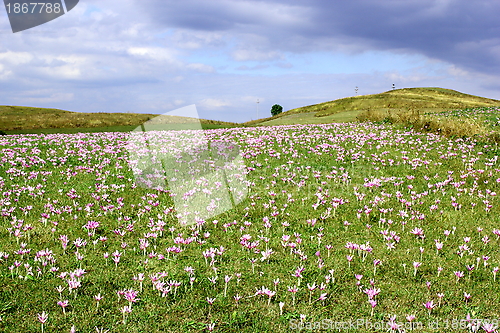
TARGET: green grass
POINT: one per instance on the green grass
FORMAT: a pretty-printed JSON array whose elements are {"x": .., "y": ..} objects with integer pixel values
[
  {"x": 20, "y": 119},
  {"x": 314, "y": 163},
  {"x": 348, "y": 109},
  {"x": 113, "y": 129}
]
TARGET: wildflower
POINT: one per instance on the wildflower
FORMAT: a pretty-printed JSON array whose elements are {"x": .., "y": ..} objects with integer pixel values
[
  {"x": 63, "y": 304},
  {"x": 131, "y": 296},
  {"x": 42, "y": 318},
  {"x": 495, "y": 271},
  {"x": 489, "y": 328},
  {"x": 376, "y": 262},
  {"x": 440, "y": 296},
  {"x": 429, "y": 306},
  {"x": 293, "y": 290},
  {"x": 125, "y": 310},
  {"x": 98, "y": 298},
  {"x": 416, "y": 265},
  {"x": 410, "y": 318},
  {"x": 211, "y": 327},
  {"x": 237, "y": 298},
  {"x": 322, "y": 297},
  {"x": 281, "y": 305},
  {"x": 459, "y": 275},
  {"x": 372, "y": 292},
  {"x": 373, "y": 304}
]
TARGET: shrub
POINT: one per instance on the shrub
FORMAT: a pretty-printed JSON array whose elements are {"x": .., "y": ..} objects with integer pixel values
[{"x": 276, "y": 109}]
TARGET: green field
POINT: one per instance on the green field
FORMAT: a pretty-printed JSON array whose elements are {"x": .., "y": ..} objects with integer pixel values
[
  {"x": 24, "y": 120},
  {"x": 399, "y": 100},
  {"x": 298, "y": 227}
]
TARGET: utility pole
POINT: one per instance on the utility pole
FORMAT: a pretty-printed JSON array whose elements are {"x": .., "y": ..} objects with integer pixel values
[{"x": 257, "y": 108}]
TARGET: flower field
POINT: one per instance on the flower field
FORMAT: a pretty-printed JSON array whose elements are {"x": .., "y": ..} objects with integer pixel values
[
  {"x": 325, "y": 224},
  {"x": 486, "y": 116}
]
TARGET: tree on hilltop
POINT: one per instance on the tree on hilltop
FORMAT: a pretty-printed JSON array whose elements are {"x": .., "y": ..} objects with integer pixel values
[{"x": 276, "y": 109}]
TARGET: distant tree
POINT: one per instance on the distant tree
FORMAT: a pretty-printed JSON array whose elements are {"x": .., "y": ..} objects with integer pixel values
[
  {"x": 276, "y": 109},
  {"x": 3, "y": 133}
]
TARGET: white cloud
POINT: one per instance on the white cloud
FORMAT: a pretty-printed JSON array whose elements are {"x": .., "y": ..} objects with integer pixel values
[
  {"x": 53, "y": 98},
  {"x": 456, "y": 71},
  {"x": 201, "y": 68},
  {"x": 214, "y": 103},
  {"x": 255, "y": 55},
  {"x": 252, "y": 99},
  {"x": 147, "y": 56},
  {"x": 268, "y": 13},
  {"x": 193, "y": 40},
  {"x": 154, "y": 53},
  {"x": 16, "y": 58},
  {"x": 4, "y": 74}
]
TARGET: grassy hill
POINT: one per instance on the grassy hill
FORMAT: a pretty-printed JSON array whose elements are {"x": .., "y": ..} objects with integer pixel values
[
  {"x": 347, "y": 109},
  {"x": 21, "y": 119},
  {"x": 24, "y": 119}
]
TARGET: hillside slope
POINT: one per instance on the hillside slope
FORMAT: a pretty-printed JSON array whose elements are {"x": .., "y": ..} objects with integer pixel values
[
  {"x": 346, "y": 109},
  {"x": 29, "y": 118}
]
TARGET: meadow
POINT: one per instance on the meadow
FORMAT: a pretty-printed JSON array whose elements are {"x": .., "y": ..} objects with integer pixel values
[
  {"x": 35, "y": 120},
  {"x": 331, "y": 225}
]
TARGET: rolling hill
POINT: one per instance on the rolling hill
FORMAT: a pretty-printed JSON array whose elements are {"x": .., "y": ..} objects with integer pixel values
[
  {"x": 21, "y": 119},
  {"x": 24, "y": 119},
  {"x": 346, "y": 109}
]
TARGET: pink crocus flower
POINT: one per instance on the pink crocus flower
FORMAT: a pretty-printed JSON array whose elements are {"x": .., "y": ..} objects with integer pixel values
[
  {"x": 495, "y": 271},
  {"x": 293, "y": 290},
  {"x": 42, "y": 318},
  {"x": 459, "y": 275},
  {"x": 373, "y": 304},
  {"x": 349, "y": 259},
  {"x": 416, "y": 265},
  {"x": 467, "y": 297},
  {"x": 237, "y": 298},
  {"x": 376, "y": 262},
  {"x": 98, "y": 298},
  {"x": 440, "y": 296},
  {"x": 372, "y": 292},
  {"x": 489, "y": 328},
  {"x": 125, "y": 310},
  {"x": 429, "y": 306},
  {"x": 131, "y": 296},
  {"x": 63, "y": 304},
  {"x": 211, "y": 327}
]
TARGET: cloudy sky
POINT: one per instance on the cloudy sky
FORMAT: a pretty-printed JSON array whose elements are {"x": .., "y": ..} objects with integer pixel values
[{"x": 154, "y": 56}]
